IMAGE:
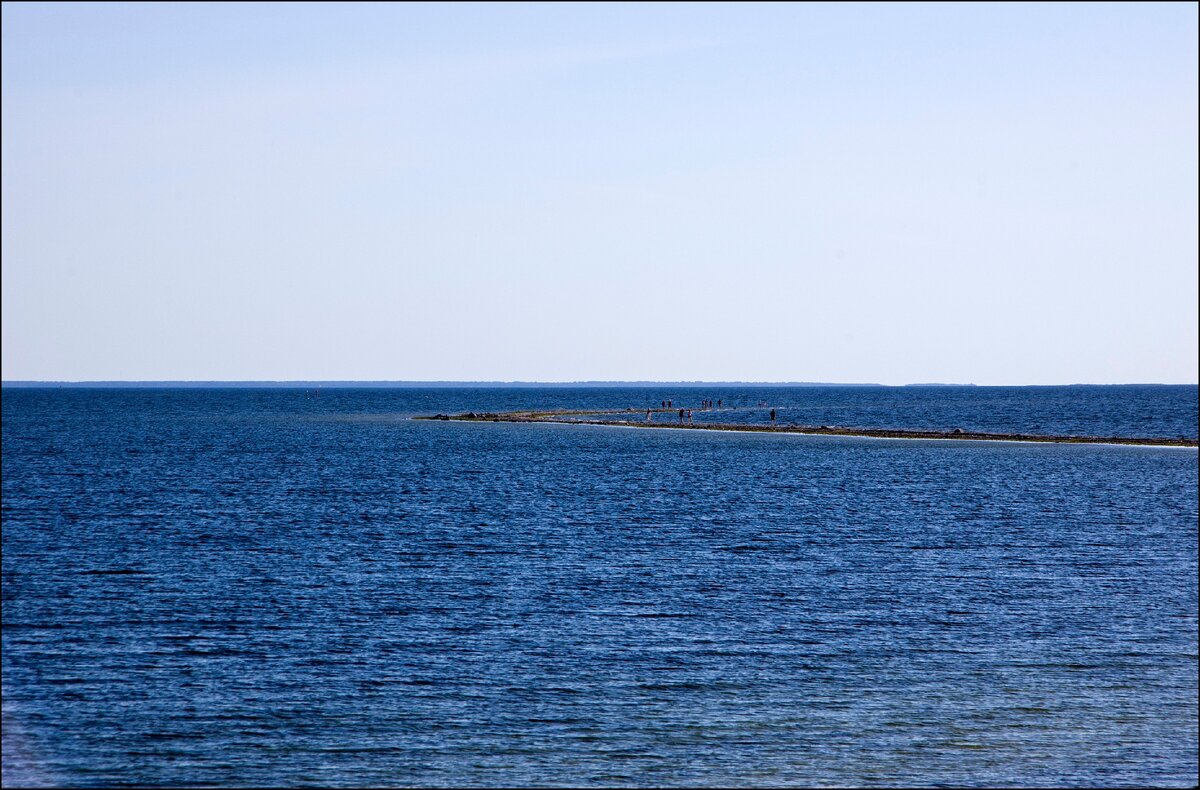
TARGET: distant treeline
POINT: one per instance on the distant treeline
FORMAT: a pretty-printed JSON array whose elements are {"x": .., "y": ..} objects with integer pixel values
[
  {"x": 406, "y": 384},
  {"x": 487, "y": 384}
]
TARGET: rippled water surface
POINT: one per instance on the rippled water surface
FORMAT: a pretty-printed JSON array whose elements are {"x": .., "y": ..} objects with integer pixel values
[{"x": 278, "y": 587}]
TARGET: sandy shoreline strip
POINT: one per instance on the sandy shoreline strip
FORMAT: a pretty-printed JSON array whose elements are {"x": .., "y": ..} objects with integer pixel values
[{"x": 574, "y": 417}]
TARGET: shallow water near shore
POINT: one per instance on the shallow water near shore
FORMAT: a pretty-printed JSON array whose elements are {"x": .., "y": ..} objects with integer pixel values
[{"x": 256, "y": 587}]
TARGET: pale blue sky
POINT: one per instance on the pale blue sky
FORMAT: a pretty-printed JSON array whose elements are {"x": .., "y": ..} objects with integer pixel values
[{"x": 989, "y": 194}]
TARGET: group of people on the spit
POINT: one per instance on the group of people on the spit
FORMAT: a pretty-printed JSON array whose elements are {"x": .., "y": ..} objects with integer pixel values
[
  {"x": 682, "y": 414},
  {"x": 705, "y": 405}
]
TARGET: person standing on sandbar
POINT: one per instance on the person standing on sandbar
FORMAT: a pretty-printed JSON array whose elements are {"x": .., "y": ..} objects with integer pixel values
[{"x": 772, "y": 416}]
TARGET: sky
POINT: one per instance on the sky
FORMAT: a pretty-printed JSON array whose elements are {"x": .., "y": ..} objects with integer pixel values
[{"x": 988, "y": 194}]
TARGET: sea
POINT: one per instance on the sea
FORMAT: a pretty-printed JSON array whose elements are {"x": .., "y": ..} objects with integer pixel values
[{"x": 303, "y": 586}]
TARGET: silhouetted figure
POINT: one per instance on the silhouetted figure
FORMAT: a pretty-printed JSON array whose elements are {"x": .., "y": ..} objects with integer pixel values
[
  {"x": 648, "y": 417},
  {"x": 719, "y": 404},
  {"x": 669, "y": 405},
  {"x": 681, "y": 416},
  {"x": 689, "y": 416},
  {"x": 772, "y": 416}
]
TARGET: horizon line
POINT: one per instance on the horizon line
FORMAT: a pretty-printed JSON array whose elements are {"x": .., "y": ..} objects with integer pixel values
[{"x": 413, "y": 383}]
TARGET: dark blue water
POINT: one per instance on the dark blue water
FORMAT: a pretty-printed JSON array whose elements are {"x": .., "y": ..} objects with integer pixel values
[{"x": 267, "y": 586}]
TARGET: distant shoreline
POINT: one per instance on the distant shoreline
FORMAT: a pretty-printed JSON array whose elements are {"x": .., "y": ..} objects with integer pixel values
[
  {"x": 302, "y": 384},
  {"x": 427, "y": 384},
  {"x": 575, "y": 417}
]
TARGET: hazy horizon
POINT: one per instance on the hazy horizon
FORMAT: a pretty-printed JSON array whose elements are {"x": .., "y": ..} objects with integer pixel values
[
  {"x": 402, "y": 383},
  {"x": 829, "y": 193}
]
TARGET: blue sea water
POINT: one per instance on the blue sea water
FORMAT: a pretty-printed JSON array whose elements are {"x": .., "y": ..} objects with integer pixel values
[{"x": 247, "y": 587}]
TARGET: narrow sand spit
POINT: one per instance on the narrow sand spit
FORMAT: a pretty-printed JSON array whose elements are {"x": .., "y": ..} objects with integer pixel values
[{"x": 586, "y": 417}]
